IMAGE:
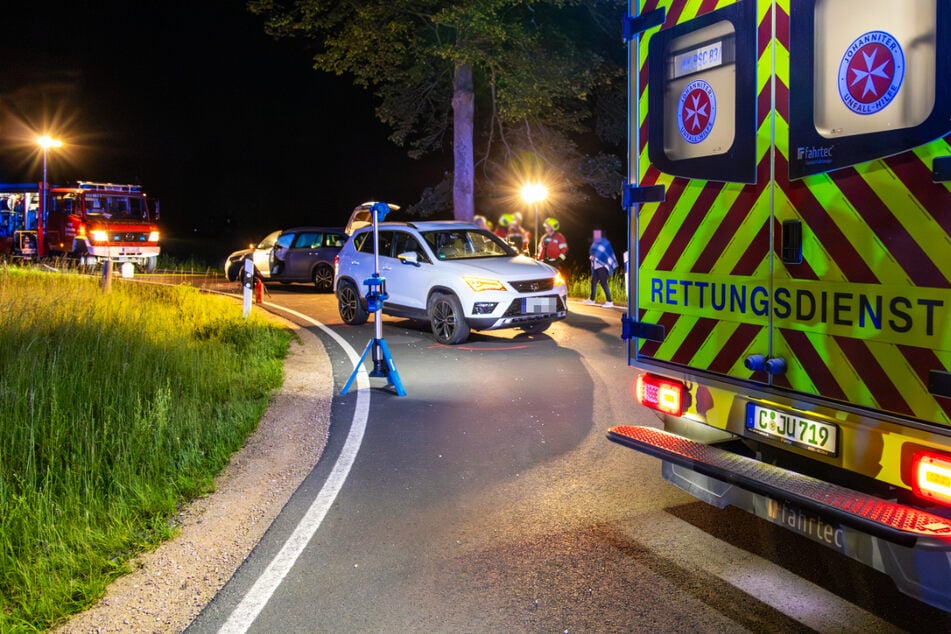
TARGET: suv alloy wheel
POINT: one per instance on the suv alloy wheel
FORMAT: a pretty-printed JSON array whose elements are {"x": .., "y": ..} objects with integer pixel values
[
  {"x": 447, "y": 319},
  {"x": 350, "y": 305}
]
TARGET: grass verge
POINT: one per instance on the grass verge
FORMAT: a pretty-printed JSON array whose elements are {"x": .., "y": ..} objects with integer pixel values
[
  {"x": 579, "y": 285},
  {"x": 115, "y": 408}
]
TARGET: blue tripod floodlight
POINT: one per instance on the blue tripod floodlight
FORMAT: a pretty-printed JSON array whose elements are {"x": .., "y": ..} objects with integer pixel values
[{"x": 383, "y": 365}]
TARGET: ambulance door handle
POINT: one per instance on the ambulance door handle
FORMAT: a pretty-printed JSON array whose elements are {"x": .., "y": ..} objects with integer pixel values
[{"x": 792, "y": 242}]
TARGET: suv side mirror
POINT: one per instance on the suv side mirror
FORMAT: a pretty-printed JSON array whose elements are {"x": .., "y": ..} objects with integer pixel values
[{"x": 409, "y": 257}]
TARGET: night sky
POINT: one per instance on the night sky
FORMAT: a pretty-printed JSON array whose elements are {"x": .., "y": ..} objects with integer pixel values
[{"x": 233, "y": 131}]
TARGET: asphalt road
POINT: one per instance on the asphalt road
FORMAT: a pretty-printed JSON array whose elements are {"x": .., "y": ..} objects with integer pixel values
[{"x": 488, "y": 500}]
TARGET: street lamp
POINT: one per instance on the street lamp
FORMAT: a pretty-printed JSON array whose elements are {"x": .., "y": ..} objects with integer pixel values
[
  {"x": 534, "y": 193},
  {"x": 46, "y": 142}
]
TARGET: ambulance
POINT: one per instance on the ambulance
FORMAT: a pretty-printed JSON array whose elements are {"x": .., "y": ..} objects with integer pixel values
[{"x": 789, "y": 198}]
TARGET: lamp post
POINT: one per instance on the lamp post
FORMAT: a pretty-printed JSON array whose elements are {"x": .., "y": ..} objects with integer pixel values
[
  {"x": 534, "y": 193},
  {"x": 46, "y": 142}
]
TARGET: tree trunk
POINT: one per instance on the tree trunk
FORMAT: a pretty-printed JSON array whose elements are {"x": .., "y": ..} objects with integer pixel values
[{"x": 463, "y": 115}]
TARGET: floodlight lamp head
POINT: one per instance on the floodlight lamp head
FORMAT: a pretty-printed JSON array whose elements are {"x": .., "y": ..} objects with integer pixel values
[{"x": 380, "y": 209}]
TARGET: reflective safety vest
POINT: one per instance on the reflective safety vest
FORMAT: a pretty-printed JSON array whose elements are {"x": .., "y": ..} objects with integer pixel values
[{"x": 553, "y": 247}]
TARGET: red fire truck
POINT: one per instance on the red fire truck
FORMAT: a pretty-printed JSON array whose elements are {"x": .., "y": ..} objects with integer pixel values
[
  {"x": 790, "y": 270},
  {"x": 91, "y": 222}
]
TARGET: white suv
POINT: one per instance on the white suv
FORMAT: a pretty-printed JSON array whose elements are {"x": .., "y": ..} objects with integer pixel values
[{"x": 454, "y": 275}]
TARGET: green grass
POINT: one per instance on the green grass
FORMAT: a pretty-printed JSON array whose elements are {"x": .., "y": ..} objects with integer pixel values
[
  {"x": 190, "y": 264},
  {"x": 579, "y": 285},
  {"x": 115, "y": 408}
]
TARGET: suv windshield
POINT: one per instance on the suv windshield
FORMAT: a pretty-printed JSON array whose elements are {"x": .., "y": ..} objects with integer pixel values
[{"x": 457, "y": 244}]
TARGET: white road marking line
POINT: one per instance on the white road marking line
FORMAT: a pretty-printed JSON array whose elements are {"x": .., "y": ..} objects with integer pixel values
[{"x": 260, "y": 593}]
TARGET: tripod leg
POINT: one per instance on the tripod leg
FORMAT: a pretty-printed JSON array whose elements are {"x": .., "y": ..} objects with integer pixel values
[
  {"x": 392, "y": 373},
  {"x": 357, "y": 367}
]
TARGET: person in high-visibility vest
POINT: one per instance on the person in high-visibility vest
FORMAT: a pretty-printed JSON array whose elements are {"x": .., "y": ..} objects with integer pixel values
[
  {"x": 502, "y": 230},
  {"x": 553, "y": 246}
]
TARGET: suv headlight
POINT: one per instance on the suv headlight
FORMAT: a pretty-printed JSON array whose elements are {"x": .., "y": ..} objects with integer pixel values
[{"x": 479, "y": 284}]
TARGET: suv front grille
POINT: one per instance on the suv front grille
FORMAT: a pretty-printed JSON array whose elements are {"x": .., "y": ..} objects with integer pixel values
[{"x": 534, "y": 286}]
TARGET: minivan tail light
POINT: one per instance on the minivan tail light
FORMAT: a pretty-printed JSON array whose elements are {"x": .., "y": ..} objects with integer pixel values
[
  {"x": 663, "y": 395},
  {"x": 931, "y": 476}
]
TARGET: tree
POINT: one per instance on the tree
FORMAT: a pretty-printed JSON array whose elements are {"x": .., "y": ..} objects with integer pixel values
[{"x": 521, "y": 73}]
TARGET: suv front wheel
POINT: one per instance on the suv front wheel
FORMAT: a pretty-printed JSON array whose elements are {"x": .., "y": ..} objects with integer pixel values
[
  {"x": 350, "y": 305},
  {"x": 447, "y": 319}
]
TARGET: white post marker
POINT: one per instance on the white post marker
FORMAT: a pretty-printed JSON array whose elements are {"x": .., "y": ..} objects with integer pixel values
[{"x": 248, "y": 286}]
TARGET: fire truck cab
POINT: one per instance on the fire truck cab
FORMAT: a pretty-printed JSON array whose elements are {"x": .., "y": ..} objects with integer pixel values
[{"x": 96, "y": 222}]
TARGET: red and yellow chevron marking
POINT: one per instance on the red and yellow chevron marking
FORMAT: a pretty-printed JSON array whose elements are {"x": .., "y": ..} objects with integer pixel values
[{"x": 867, "y": 313}]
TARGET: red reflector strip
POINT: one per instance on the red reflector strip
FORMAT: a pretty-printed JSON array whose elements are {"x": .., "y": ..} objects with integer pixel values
[
  {"x": 931, "y": 476},
  {"x": 661, "y": 394}
]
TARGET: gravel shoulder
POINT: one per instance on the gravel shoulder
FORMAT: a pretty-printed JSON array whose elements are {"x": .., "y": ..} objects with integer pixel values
[{"x": 170, "y": 585}]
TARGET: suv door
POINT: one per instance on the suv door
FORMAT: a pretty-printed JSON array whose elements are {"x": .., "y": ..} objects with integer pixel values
[
  {"x": 359, "y": 264},
  {"x": 276, "y": 255},
  {"x": 406, "y": 281},
  {"x": 300, "y": 258}
]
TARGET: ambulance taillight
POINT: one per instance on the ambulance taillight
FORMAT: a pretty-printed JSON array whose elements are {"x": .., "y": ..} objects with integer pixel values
[
  {"x": 931, "y": 476},
  {"x": 663, "y": 395}
]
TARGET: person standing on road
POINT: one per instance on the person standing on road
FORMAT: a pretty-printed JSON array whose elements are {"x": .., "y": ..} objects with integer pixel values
[
  {"x": 603, "y": 264},
  {"x": 553, "y": 247}
]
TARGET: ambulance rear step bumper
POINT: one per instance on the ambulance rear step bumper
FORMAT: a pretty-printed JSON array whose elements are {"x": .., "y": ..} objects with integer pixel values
[{"x": 911, "y": 546}]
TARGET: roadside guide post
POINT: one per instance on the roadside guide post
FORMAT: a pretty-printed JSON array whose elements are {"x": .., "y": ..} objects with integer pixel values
[
  {"x": 383, "y": 365},
  {"x": 107, "y": 276},
  {"x": 248, "y": 283}
]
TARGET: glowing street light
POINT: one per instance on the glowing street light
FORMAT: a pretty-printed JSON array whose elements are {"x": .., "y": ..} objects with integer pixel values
[
  {"x": 47, "y": 142},
  {"x": 534, "y": 193}
]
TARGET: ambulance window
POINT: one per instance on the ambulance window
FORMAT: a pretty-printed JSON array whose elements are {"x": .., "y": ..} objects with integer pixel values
[
  {"x": 875, "y": 65},
  {"x": 700, "y": 93}
]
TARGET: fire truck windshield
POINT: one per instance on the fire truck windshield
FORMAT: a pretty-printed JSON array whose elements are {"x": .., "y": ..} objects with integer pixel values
[{"x": 116, "y": 207}]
